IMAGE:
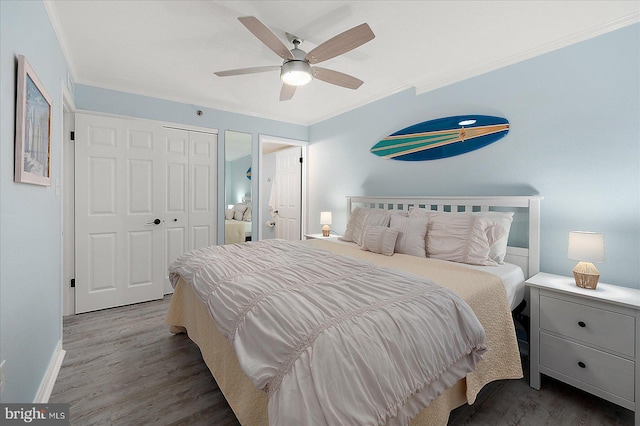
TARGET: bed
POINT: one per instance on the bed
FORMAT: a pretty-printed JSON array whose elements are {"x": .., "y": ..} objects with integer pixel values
[
  {"x": 237, "y": 224},
  {"x": 486, "y": 294}
]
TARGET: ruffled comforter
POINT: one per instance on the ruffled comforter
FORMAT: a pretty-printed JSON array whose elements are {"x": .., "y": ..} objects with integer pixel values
[{"x": 331, "y": 339}]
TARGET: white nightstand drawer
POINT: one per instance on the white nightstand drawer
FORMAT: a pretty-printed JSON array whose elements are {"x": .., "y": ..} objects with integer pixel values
[
  {"x": 606, "y": 329},
  {"x": 605, "y": 371}
]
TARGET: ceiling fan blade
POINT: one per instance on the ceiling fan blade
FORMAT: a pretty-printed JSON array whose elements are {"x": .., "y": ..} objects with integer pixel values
[
  {"x": 337, "y": 78},
  {"x": 266, "y": 36},
  {"x": 342, "y": 43},
  {"x": 242, "y": 71},
  {"x": 287, "y": 92}
]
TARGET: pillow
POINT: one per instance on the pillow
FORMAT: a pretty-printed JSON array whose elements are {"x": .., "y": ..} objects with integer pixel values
[
  {"x": 246, "y": 216},
  {"x": 411, "y": 235},
  {"x": 228, "y": 214},
  {"x": 497, "y": 235},
  {"x": 372, "y": 219},
  {"x": 420, "y": 212},
  {"x": 238, "y": 211},
  {"x": 356, "y": 219},
  {"x": 379, "y": 239},
  {"x": 460, "y": 237}
]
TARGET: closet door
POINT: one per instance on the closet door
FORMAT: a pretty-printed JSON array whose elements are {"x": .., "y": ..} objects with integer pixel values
[
  {"x": 176, "y": 144},
  {"x": 191, "y": 182},
  {"x": 119, "y": 196},
  {"x": 203, "y": 212}
]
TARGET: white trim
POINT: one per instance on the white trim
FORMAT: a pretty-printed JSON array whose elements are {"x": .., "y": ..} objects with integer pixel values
[
  {"x": 163, "y": 123},
  {"x": 262, "y": 139},
  {"x": 49, "y": 380},
  {"x": 531, "y": 53},
  {"x": 62, "y": 41}
]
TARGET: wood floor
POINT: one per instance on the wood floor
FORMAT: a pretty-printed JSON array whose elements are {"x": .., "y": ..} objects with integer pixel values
[{"x": 123, "y": 367}]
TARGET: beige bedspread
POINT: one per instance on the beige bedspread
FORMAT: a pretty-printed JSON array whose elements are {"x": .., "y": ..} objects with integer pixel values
[
  {"x": 234, "y": 231},
  {"x": 483, "y": 291}
]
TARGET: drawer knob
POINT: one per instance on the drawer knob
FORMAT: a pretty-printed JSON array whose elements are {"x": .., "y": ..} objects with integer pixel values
[
  {"x": 582, "y": 324},
  {"x": 582, "y": 364}
]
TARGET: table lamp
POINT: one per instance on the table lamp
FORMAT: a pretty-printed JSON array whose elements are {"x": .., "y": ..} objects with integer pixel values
[
  {"x": 325, "y": 219},
  {"x": 586, "y": 247}
]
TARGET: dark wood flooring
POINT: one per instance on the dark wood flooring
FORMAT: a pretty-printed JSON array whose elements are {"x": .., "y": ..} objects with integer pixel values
[{"x": 123, "y": 367}]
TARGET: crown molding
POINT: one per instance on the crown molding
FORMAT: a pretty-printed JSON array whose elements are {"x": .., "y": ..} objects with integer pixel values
[
  {"x": 531, "y": 53},
  {"x": 50, "y": 7}
]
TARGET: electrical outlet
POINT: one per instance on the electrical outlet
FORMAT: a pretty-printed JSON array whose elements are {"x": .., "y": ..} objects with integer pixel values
[{"x": 2, "y": 364}]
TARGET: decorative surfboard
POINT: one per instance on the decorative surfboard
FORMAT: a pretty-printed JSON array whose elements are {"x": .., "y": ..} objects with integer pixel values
[
  {"x": 249, "y": 173},
  {"x": 442, "y": 138}
]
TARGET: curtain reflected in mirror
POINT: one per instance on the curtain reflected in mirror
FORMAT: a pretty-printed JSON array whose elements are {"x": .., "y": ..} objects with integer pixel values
[{"x": 237, "y": 187}]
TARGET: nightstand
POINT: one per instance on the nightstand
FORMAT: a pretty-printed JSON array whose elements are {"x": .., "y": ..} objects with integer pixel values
[
  {"x": 320, "y": 237},
  {"x": 586, "y": 338}
]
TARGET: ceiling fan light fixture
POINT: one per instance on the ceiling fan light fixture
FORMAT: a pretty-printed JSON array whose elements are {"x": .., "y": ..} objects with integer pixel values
[{"x": 296, "y": 73}]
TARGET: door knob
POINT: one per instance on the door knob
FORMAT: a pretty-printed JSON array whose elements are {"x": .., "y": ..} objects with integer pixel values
[{"x": 155, "y": 222}]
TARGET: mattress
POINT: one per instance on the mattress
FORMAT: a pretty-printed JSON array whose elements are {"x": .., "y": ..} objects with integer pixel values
[
  {"x": 512, "y": 278},
  {"x": 511, "y": 275}
]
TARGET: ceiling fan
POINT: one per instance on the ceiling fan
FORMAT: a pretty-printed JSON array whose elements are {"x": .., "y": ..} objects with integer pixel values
[{"x": 296, "y": 70}]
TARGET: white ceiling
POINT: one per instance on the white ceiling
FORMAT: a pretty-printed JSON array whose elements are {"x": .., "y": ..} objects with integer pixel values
[{"x": 170, "y": 49}]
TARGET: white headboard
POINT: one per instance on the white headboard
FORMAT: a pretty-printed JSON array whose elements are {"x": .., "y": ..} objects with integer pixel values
[{"x": 528, "y": 258}]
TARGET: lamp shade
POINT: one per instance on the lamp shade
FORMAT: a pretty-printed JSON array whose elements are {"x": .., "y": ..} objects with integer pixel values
[
  {"x": 325, "y": 218},
  {"x": 296, "y": 73},
  {"x": 586, "y": 246}
]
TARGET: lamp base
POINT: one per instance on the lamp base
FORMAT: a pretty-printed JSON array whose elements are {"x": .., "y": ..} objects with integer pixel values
[
  {"x": 326, "y": 231},
  {"x": 586, "y": 275}
]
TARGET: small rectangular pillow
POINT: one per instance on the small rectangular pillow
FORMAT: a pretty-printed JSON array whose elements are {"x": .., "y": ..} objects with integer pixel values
[
  {"x": 372, "y": 219},
  {"x": 228, "y": 214},
  {"x": 356, "y": 221},
  {"x": 379, "y": 239},
  {"x": 460, "y": 237},
  {"x": 411, "y": 236}
]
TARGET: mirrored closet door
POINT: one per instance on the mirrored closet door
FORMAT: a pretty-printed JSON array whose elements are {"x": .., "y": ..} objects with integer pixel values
[{"x": 237, "y": 187}]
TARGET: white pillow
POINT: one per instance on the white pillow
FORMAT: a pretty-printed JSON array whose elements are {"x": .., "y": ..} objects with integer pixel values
[
  {"x": 356, "y": 220},
  {"x": 460, "y": 237},
  {"x": 379, "y": 239},
  {"x": 380, "y": 218},
  {"x": 411, "y": 237},
  {"x": 238, "y": 211},
  {"x": 246, "y": 216},
  {"x": 497, "y": 235},
  {"x": 228, "y": 214}
]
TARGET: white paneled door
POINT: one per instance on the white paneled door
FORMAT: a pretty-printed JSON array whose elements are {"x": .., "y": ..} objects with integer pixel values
[
  {"x": 119, "y": 195},
  {"x": 133, "y": 201},
  {"x": 289, "y": 187},
  {"x": 190, "y": 209}
]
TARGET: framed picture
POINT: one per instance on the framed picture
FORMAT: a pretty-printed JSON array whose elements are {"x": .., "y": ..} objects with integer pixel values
[{"x": 33, "y": 128}]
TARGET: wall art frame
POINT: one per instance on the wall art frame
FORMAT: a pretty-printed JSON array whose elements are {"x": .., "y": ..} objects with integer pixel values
[{"x": 33, "y": 128}]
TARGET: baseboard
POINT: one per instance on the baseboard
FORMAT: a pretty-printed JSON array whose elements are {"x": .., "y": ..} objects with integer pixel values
[{"x": 46, "y": 387}]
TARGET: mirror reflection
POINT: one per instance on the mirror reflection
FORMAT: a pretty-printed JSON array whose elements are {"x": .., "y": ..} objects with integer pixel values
[{"x": 238, "y": 212}]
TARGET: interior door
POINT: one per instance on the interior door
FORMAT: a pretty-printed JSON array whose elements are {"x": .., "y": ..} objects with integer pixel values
[
  {"x": 289, "y": 187},
  {"x": 203, "y": 215},
  {"x": 120, "y": 191},
  {"x": 176, "y": 209},
  {"x": 190, "y": 210}
]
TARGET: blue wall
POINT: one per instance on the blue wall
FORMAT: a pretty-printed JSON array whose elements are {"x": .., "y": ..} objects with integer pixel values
[
  {"x": 574, "y": 139},
  {"x": 30, "y": 215}
]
